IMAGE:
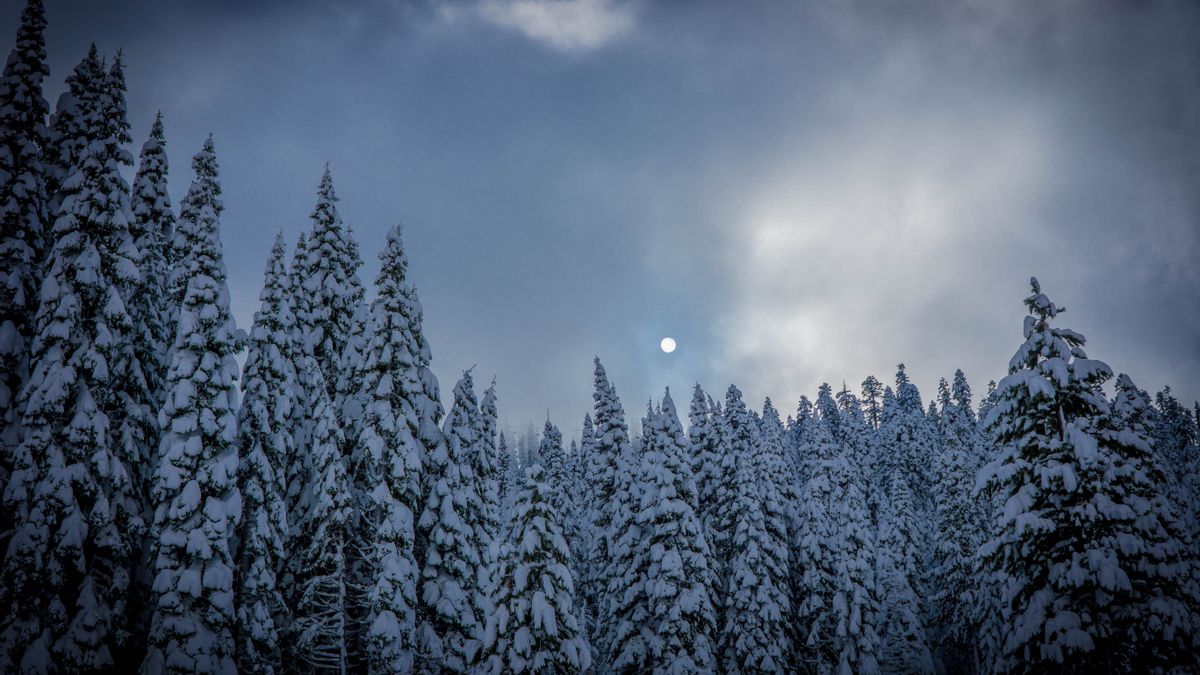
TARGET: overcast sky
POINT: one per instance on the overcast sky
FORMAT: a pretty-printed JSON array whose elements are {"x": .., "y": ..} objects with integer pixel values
[{"x": 797, "y": 194}]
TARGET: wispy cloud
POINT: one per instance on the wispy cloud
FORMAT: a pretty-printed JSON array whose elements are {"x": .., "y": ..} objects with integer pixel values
[{"x": 564, "y": 25}]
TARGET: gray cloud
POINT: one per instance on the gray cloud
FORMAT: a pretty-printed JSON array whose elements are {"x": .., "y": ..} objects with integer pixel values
[{"x": 796, "y": 194}]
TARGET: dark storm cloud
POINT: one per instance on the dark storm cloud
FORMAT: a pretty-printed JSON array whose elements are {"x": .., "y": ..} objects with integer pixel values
[{"x": 796, "y": 194}]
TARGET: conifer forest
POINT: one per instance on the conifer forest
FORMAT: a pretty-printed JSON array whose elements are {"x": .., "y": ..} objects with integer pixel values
[{"x": 181, "y": 494}]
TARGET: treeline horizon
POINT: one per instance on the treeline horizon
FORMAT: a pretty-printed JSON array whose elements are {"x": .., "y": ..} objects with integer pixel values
[{"x": 316, "y": 509}]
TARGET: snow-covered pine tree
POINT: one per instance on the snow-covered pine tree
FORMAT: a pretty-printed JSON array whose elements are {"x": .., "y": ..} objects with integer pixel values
[
  {"x": 611, "y": 516},
  {"x": 903, "y": 645},
  {"x": 556, "y": 464},
  {"x": 872, "y": 392},
  {"x": 698, "y": 454},
  {"x": 188, "y": 236},
  {"x": 857, "y": 435},
  {"x": 960, "y": 522},
  {"x": 298, "y": 468},
  {"x": 387, "y": 475},
  {"x": 153, "y": 226},
  {"x": 265, "y": 444},
  {"x": 754, "y": 636},
  {"x": 836, "y": 595},
  {"x": 330, "y": 274},
  {"x": 627, "y": 605},
  {"x": 71, "y": 494},
  {"x": 67, "y": 138},
  {"x": 1095, "y": 577},
  {"x": 1173, "y": 434},
  {"x": 584, "y": 572},
  {"x": 488, "y": 468},
  {"x": 320, "y": 623},
  {"x": 505, "y": 463},
  {"x": 800, "y": 430},
  {"x": 140, "y": 391},
  {"x": 196, "y": 497},
  {"x": 450, "y": 630},
  {"x": 906, "y": 439},
  {"x": 553, "y": 459},
  {"x": 681, "y": 618},
  {"x": 534, "y": 628},
  {"x": 24, "y": 222}
]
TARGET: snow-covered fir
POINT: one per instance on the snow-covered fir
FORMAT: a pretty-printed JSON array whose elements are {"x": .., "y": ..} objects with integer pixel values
[{"x": 195, "y": 491}]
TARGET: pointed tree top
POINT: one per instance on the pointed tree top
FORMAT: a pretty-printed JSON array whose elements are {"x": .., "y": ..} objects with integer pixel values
[
  {"x": 31, "y": 36},
  {"x": 278, "y": 248},
  {"x": 156, "y": 129}
]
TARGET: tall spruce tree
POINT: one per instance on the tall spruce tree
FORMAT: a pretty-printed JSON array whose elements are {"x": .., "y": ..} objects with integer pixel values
[
  {"x": 265, "y": 444},
  {"x": 837, "y": 596},
  {"x": 188, "y": 236},
  {"x": 959, "y": 520},
  {"x": 450, "y": 630},
  {"x": 153, "y": 226},
  {"x": 195, "y": 493},
  {"x": 488, "y": 471},
  {"x": 330, "y": 278},
  {"x": 628, "y": 608},
  {"x": 1093, "y": 574},
  {"x": 534, "y": 628},
  {"x": 72, "y": 495},
  {"x": 754, "y": 636},
  {"x": 387, "y": 473},
  {"x": 612, "y": 445},
  {"x": 681, "y": 618},
  {"x": 139, "y": 392},
  {"x": 25, "y": 222}
]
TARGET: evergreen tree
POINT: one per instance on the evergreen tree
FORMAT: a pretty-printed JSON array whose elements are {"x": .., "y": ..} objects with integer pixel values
[
  {"x": 153, "y": 226},
  {"x": 903, "y": 645},
  {"x": 585, "y": 573},
  {"x": 1094, "y": 576},
  {"x": 387, "y": 474},
  {"x": 330, "y": 278},
  {"x": 872, "y": 390},
  {"x": 801, "y": 431},
  {"x": 188, "y": 237},
  {"x": 627, "y": 603},
  {"x": 906, "y": 439},
  {"x": 611, "y": 445},
  {"x": 265, "y": 444},
  {"x": 1173, "y": 435},
  {"x": 534, "y": 627},
  {"x": 71, "y": 495},
  {"x": 836, "y": 595},
  {"x": 67, "y": 140},
  {"x": 754, "y": 636},
  {"x": 196, "y": 497},
  {"x": 681, "y": 618},
  {"x": 488, "y": 468},
  {"x": 139, "y": 392},
  {"x": 24, "y": 222},
  {"x": 450, "y": 632},
  {"x": 959, "y": 520},
  {"x": 297, "y": 469},
  {"x": 556, "y": 464},
  {"x": 504, "y": 459},
  {"x": 320, "y": 624}
]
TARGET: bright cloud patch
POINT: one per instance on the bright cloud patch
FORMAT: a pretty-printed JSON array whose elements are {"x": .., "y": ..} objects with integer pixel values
[{"x": 566, "y": 25}]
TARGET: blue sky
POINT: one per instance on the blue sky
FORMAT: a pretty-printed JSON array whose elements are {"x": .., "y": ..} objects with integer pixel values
[{"x": 797, "y": 192}]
